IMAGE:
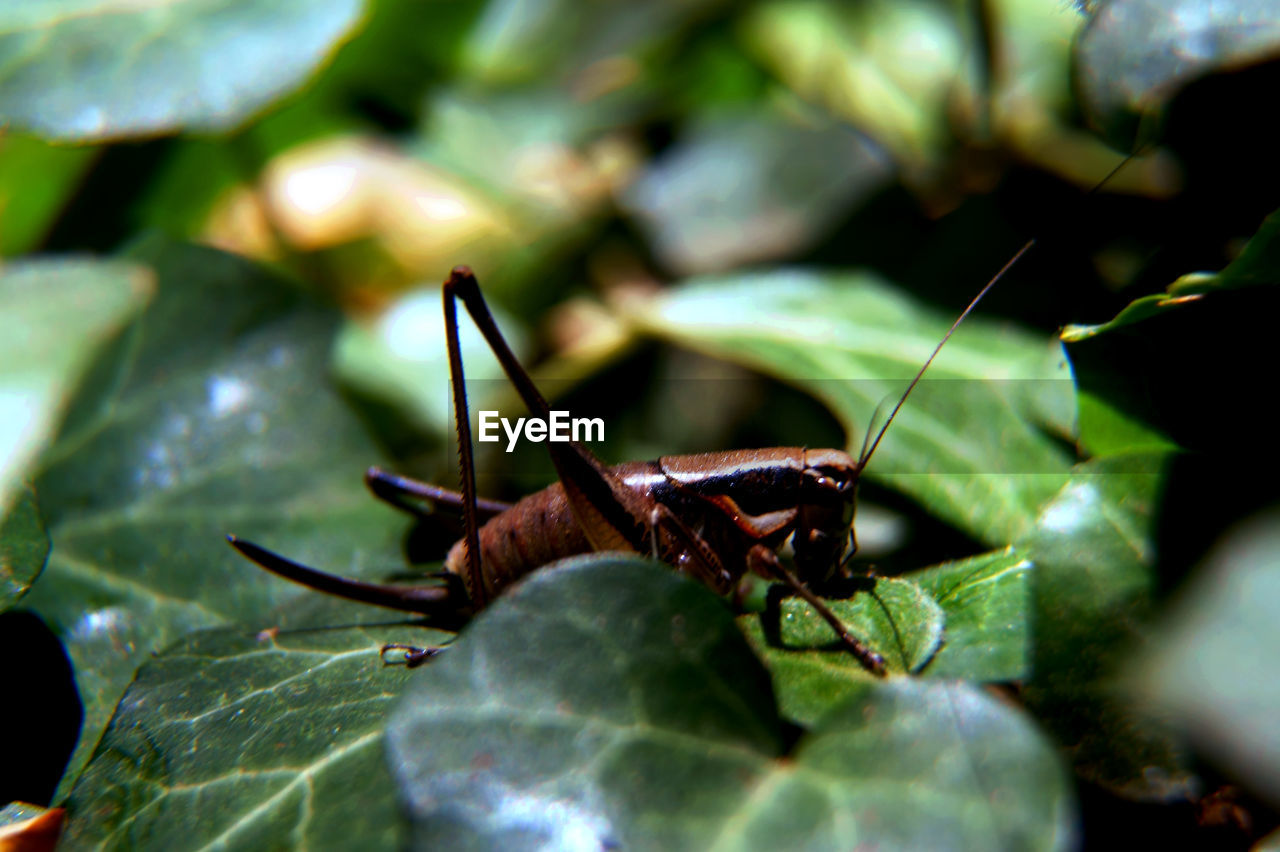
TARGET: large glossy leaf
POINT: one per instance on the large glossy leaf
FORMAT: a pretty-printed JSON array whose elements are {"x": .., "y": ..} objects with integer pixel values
[
  {"x": 1094, "y": 551},
  {"x": 209, "y": 415},
  {"x": 966, "y": 446},
  {"x": 609, "y": 703},
  {"x": 267, "y": 741},
  {"x": 24, "y": 547},
  {"x": 84, "y": 70},
  {"x": 968, "y": 619},
  {"x": 1212, "y": 666},
  {"x": 56, "y": 313}
]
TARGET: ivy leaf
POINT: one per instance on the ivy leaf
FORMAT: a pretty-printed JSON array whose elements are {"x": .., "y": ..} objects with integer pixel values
[
  {"x": 1094, "y": 551},
  {"x": 609, "y": 703},
  {"x": 208, "y": 415},
  {"x": 57, "y": 312},
  {"x": 24, "y": 547},
  {"x": 971, "y": 621},
  {"x": 266, "y": 741},
  {"x": 987, "y": 605},
  {"x": 970, "y": 425},
  {"x": 812, "y": 671},
  {"x": 1153, "y": 377},
  {"x": 89, "y": 72}
]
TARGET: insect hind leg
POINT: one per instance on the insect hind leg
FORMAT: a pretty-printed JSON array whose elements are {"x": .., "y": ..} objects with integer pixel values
[{"x": 447, "y": 600}]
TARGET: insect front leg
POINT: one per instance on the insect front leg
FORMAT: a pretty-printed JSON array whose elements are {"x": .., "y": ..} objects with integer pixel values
[{"x": 763, "y": 561}]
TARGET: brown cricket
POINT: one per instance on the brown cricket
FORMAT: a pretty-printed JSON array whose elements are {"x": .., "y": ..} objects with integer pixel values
[{"x": 716, "y": 517}]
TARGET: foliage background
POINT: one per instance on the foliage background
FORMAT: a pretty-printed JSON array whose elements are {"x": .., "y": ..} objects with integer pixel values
[{"x": 715, "y": 225}]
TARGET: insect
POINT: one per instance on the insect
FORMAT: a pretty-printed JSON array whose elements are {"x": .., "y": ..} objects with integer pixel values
[{"x": 716, "y": 517}]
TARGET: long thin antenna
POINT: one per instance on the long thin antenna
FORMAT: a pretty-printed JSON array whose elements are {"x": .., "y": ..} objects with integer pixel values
[
  {"x": 867, "y": 452},
  {"x": 866, "y": 456}
]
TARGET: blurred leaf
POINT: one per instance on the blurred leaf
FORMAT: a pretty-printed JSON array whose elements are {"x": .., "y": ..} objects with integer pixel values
[
  {"x": 80, "y": 71},
  {"x": 209, "y": 415},
  {"x": 631, "y": 714},
  {"x": 1213, "y": 668},
  {"x": 36, "y": 180},
  {"x": 56, "y": 313},
  {"x": 515, "y": 40},
  {"x": 402, "y": 359},
  {"x": 24, "y": 547},
  {"x": 545, "y": 162},
  {"x": 751, "y": 186},
  {"x": 195, "y": 174},
  {"x": 886, "y": 67},
  {"x": 1094, "y": 552},
  {"x": 1133, "y": 55},
  {"x": 272, "y": 741},
  {"x": 854, "y": 343}
]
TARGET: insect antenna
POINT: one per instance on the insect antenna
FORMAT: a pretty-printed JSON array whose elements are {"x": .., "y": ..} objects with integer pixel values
[{"x": 865, "y": 456}]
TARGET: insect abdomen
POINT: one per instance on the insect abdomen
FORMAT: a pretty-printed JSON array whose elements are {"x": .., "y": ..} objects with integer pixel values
[{"x": 537, "y": 530}]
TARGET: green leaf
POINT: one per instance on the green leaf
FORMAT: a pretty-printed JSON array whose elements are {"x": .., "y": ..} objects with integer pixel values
[
  {"x": 1258, "y": 264},
  {"x": 267, "y": 741},
  {"x": 609, "y": 703},
  {"x": 905, "y": 619},
  {"x": 1094, "y": 552},
  {"x": 83, "y": 71},
  {"x": 1212, "y": 668},
  {"x": 36, "y": 181},
  {"x": 209, "y": 415},
  {"x": 24, "y": 547},
  {"x": 402, "y": 360},
  {"x": 966, "y": 619},
  {"x": 986, "y": 601},
  {"x": 812, "y": 671},
  {"x": 1153, "y": 378},
  {"x": 56, "y": 313},
  {"x": 854, "y": 343},
  {"x": 520, "y": 40},
  {"x": 746, "y": 187},
  {"x": 844, "y": 57}
]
